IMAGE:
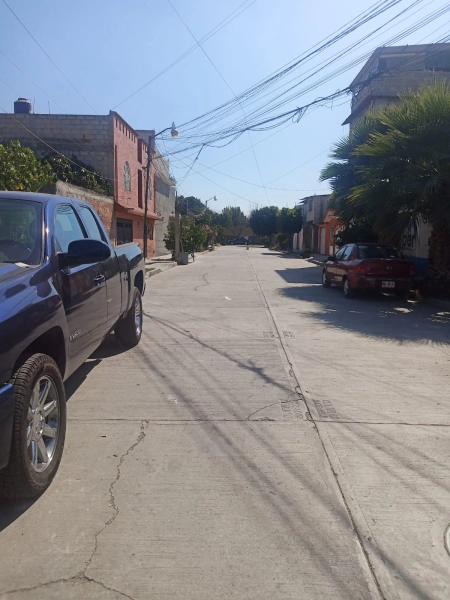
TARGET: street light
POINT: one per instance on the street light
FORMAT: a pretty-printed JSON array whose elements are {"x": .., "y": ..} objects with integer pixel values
[
  {"x": 213, "y": 198},
  {"x": 151, "y": 145}
]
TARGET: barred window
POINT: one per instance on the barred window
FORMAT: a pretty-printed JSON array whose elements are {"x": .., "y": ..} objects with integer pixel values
[{"x": 127, "y": 177}]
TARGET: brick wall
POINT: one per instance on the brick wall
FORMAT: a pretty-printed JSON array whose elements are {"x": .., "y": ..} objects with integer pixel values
[{"x": 104, "y": 205}]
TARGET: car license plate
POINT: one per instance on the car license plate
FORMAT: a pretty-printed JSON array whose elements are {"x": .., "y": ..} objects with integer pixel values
[{"x": 388, "y": 284}]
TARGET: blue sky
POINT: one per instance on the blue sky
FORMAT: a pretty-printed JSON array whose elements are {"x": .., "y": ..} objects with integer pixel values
[{"x": 110, "y": 49}]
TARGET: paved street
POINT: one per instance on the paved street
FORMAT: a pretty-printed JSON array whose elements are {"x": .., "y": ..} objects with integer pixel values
[{"x": 268, "y": 439}]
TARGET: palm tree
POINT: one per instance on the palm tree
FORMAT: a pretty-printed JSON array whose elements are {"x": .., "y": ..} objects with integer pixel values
[
  {"x": 343, "y": 175},
  {"x": 404, "y": 174}
]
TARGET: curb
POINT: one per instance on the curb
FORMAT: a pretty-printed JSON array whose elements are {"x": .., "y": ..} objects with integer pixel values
[{"x": 158, "y": 271}]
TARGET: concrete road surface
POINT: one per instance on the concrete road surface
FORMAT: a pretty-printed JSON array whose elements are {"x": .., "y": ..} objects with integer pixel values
[{"x": 267, "y": 440}]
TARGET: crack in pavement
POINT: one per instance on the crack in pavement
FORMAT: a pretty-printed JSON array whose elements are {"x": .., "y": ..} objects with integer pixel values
[
  {"x": 81, "y": 576},
  {"x": 78, "y": 577},
  {"x": 201, "y": 285},
  {"x": 141, "y": 436}
]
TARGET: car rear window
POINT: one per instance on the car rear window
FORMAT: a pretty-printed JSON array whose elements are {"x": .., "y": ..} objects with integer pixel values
[{"x": 378, "y": 252}]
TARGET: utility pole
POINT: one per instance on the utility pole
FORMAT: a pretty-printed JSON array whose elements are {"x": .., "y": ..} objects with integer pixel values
[
  {"x": 151, "y": 146},
  {"x": 177, "y": 229},
  {"x": 151, "y": 139}
]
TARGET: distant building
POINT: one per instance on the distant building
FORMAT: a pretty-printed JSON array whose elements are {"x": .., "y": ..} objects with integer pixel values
[
  {"x": 313, "y": 211},
  {"x": 328, "y": 230},
  {"x": 397, "y": 69},
  {"x": 111, "y": 146}
]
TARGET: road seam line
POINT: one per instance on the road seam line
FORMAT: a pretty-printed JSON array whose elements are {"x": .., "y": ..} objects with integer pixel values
[{"x": 381, "y": 580}]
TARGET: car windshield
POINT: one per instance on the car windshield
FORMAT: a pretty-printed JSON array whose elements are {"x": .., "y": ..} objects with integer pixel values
[
  {"x": 378, "y": 252},
  {"x": 20, "y": 232}
]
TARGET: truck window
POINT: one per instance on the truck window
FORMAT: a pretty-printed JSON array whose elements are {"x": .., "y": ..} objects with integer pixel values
[
  {"x": 90, "y": 221},
  {"x": 20, "y": 232},
  {"x": 67, "y": 227}
]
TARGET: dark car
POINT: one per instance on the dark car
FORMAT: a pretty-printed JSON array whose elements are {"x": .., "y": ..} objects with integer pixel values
[
  {"x": 63, "y": 288},
  {"x": 378, "y": 267},
  {"x": 239, "y": 241}
]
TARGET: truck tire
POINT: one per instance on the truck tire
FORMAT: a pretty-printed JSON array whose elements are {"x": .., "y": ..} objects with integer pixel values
[
  {"x": 129, "y": 329},
  {"x": 39, "y": 429}
]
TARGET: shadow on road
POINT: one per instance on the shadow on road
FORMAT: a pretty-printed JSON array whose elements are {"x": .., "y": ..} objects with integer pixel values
[
  {"x": 10, "y": 510},
  {"x": 380, "y": 316}
]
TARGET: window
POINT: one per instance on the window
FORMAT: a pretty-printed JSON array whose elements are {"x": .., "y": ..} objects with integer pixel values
[
  {"x": 124, "y": 231},
  {"x": 348, "y": 253},
  {"x": 67, "y": 227},
  {"x": 20, "y": 231},
  {"x": 139, "y": 151},
  {"x": 310, "y": 205},
  {"x": 377, "y": 252},
  {"x": 150, "y": 231},
  {"x": 127, "y": 177},
  {"x": 140, "y": 188},
  {"x": 91, "y": 224},
  {"x": 340, "y": 254}
]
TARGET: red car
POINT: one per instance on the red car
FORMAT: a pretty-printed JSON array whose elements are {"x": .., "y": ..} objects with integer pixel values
[{"x": 369, "y": 267}]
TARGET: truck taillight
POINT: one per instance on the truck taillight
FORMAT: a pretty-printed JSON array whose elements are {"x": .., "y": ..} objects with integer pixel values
[{"x": 412, "y": 270}]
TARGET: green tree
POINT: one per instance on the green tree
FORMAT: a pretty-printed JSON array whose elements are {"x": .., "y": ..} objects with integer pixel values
[
  {"x": 344, "y": 174},
  {"x": 289, "y": 221},
  {"x": 193, "y": 236},
  {"x": 78, "y": 174},
  {"x": 406, "y": 175},
  {"x": 20, "y": 170},
  {"x": 263, "y": 221}
]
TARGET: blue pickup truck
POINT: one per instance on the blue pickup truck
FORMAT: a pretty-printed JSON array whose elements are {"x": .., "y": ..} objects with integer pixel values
[{"x": 63, "y": 289}]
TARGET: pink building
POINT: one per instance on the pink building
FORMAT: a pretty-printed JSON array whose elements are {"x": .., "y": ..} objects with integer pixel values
[{"x": 108, "y": 144}]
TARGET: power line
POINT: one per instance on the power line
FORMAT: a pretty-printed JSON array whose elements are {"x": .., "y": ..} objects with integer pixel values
[
  {"x": 47, "y": 55},
  {"x": 234, "y": 131},
  {"x": 228, "y": 86},
  {"x": 82, "y": 125},
  {"x": 51, "y": 147},
  {"x": 206, "y": 37}
]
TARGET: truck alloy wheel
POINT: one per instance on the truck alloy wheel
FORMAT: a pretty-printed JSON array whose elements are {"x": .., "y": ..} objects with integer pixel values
[
  {"x": 129, "y": 329},
  {"x": 39, "y": 428}
]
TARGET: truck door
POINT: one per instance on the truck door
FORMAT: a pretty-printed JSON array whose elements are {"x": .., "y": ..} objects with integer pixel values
[
  {"x": 111, "y": 267},
  {"x": 83, "y": 287}
]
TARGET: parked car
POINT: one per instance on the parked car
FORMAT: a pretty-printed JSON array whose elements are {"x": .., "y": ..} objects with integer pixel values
[
  {"x": 63, "y": 288},
  {"x": 239, "y": 241},
  {"x": 377, "y": 267}
]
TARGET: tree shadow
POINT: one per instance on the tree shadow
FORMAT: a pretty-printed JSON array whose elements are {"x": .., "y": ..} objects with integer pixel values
[{"x": 371, "y": 315}]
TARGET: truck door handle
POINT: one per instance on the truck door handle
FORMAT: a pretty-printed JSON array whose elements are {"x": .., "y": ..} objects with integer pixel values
[{"x": 99, "y": 279}]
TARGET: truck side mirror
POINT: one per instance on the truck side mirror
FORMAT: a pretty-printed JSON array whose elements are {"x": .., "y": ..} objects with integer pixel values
[{"x": 83, "y": 252}]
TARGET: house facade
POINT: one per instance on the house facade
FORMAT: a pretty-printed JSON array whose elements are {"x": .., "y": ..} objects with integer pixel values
[
  {"x": 395, "y": 69},
  {"x": 328, "y": 230},
  {"x": 313, "y": 209},
  {"x": 108, "y": 144}
]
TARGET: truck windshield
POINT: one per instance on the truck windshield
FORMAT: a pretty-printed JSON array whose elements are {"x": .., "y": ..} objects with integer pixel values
[{"x": 20, "y": 232}]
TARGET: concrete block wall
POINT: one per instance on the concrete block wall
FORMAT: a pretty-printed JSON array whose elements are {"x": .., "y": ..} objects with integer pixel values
[
  {"x": 164, "y": 204},
  {"x": 388, "y": 88},
  {"x": 87, "y": 137}
]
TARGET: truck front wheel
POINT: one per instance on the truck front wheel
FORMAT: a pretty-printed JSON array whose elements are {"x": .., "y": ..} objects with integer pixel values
[
  {"x": 39, "y": 428},
  {"x": 129, "y": 329}
]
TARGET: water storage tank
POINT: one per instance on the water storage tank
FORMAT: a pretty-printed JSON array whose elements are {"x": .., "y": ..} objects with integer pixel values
[{"x": 22, "y": 106}]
